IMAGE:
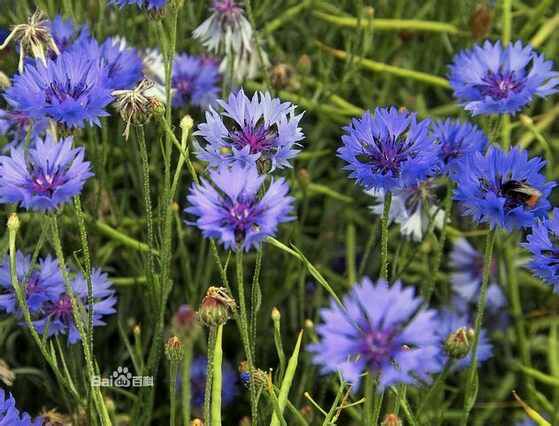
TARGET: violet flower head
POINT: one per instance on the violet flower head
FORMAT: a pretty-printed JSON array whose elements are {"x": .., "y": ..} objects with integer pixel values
[
  {"x": 262, "y": 130},
  {"x": 11, "y": 416},
  {"x": 388, "y": 150},
  {"x": 450, "y": 322},
  {"x": 40, "y": 284},
  {"x": 71, "y": 89},
  {"x": 457, "y": 140},
  {"x": 543, "y": 244},
  {"x": 492, "y": 79},
  {"x": 381, "y": 331},
  {"x": 503, "y": 189},
  {"x": 121, "y": 63},
  {"x": 195, "y": 80},
  {"x": 229, "y": 208},
  {"x": 146, "y": 4},
  {"x": 58, "y": 314},
  {"x": 15, "y": 126},
  {"x": 65, "y": 33},
  {"x": 44, "y": 177},
  {"x": 198, "y": 373},
  {"x": 413, "y": 208}
]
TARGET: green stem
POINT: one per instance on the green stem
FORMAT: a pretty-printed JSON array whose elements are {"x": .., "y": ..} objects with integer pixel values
[
  {"x": 350, "y": 254},
  {"x": 384, "y": 236},
  {"x": 209, "y": 375},
  {"x": 185, "y": 377},
  {"x": 471, "y": 382},
  {"x": 255, "y": 299},
  {"x": 505, "y": 132},
  {"x": 507, "y": 21},
  {"x": 368, "y": 404},
  {"x": 215, "y": 417},
  {"x": 173, "y": 371}
]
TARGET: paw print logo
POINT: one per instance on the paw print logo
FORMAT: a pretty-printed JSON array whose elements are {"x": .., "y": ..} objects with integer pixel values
[{"x": 122, "y": 377}]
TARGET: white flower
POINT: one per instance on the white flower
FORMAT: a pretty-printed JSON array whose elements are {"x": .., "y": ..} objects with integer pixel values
[{"x": 154, "y": 70}]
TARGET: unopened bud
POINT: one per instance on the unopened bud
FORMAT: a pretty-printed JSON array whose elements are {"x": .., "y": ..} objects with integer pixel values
[
  {"x": 304, "y": 65},
  {"x": 216, "y": 307},
  {"x": 245, "y": 421},
  {"x": 259, "y": 377},
  {"x": 309, "y": 324},
  {"x": 13, "y": 223},
  {"x": 174, "y": 349},
  {"x": 370, "y": 11},
  {"x": 459, "y": 342},
  {"x": 197, "y": 422},
  {"x": 4, "y": 81},
  {"x": 304, "y": 178},
  {"x": 526, "y": 120},
  {"x": 136, "y": 330},
  {"x": 391, "y": 420},
  {"x": 187, "y": 123},
  {"x": 281, "y": 76},
  {"x": 276, "y": 315},
  {"x": 480, "y": 21}
]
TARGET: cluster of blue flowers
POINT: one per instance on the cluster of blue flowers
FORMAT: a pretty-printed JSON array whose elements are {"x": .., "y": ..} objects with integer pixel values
[{"x": 11, "y": 416}]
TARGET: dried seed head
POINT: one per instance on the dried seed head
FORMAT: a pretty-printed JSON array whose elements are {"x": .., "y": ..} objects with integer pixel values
[
  {"x": 34, "y": 38},
  {"x": 216, "y": 307},
  {"x": 391, "y": 420}
]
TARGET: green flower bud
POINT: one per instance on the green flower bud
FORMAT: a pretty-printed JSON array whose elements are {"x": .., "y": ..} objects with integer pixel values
[{"x": 459, "y": 342}]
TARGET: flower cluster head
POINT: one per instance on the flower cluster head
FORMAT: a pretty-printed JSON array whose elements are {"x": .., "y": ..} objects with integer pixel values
[
  {"x": 39, "y": 284},
  {"x": 121, "y": 63},
  {"x": 262, "y": 131},
  {"x": 71, "y": 89},
  {"x": 11, "y": 416},
  {"x": 65, "y": 33},
  {"x": 381, "y": 331},
  {"x": 449, "y": 324},
  {"x": 503, "y": 189},
  {"x": 388, "y": 150},
  {"x": 457, "y": 140},
  {"x": 198, "y": 372},
  {"x": 492, "y": 79},
  {"x": 413, "y": 208},
  {"x": 195, "y": 80},
  {"x": 45, "y": 176},
  {"x": 543, "y": 244},
  {"x": 228, "y": 207},
  {"x": 57, "y": 317},
  {"x": 147, "y": 4}
]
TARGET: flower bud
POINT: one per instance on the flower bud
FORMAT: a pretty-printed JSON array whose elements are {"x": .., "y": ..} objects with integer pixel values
[
  {"x": 276, "y": 315},
  {"x": 282, "y": 76},
  {"x": 480, "y": 21},
  {"x": 216, "y": 307},
  {"x": 526, "y": 120},
  {"x": 245, "y": 421},
  {"x": 197, "y": 422},
  {"x": 174, "y": 349},
  {"x": 459, "y": 342},
  {"x": 391, "y": 420},
  {"x": 4, "y": 81},
  {"x": 186, "y": 124},
  {"x": 260, "y": 378},
  {"x": 304, "y": 178},
  {"x": 304, "y": 65},
  {"x": 13, "y": 223},
  {"x": 136, "y": 330}
]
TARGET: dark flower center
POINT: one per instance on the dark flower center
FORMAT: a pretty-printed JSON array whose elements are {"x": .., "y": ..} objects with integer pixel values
[
  {"x": 33, "y": 285},
  {"x": 386, "y": 156},
  {"x": 183, "y": 84},
  {"x": 500, "y": 85},
  {"x": 241, "y": 216},
  {"x": 376, "y": 347},
  {"x": 62, "y": 91},
  {"x": 45, "y": 182},
  {"x": 62, "y": 309},
  {"x": 257, "y": 138},
  {"x": 228, "y": 9}
]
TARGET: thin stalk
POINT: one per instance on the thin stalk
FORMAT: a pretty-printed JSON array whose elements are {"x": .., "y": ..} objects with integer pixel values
[
  {"x": 471, "y": 382},
  {"x": 350, "y": 254},
  {"x": 209, "y": 375},
  {"x": 255, "y": 299},
  {"x": 368, "y": 405},
  {"x": 185, "y": 377},
  {"x": 507, "y": 22},
  {"x": 505, "y": 132},
  {"x": 173, "y": 371},
  {"x": 384, "y": 236},
  {"x": 215, "y": 416}
]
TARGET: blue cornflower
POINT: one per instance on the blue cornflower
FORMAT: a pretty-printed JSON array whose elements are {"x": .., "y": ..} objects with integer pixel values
[
  {"x": 57, "y": 314},
  {"x": 232, "y": 211},
  {"x": 15, "y": 125},
  {"x": 388, "y": 149},
  {"x": 261, "y": 129},
  {"x": 45, "y": 176},
  {"x": 543, "y": 243},
  {"x": 198, "y": 372},
  {"x": 381, "y": 331},
  {"x": 196, "y": 81},
  {"x": 457, "y": 140},
  {"x": 490, "y": 79},
  {"x": 65, "y": 33},
  {"x": 11, "y": 416},
  {"x": 148, "y": 4},
  {"x": 70, "y": 89},
  {"x": 450, "y": 322},
  {"x": 40, "y": 284},
  {"x": 503, "y": 189}
]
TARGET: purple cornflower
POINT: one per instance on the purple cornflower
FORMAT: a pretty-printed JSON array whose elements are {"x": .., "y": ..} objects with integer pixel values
[
  {"x": 413, "y": 208},
  {"x": 543, "y": 244},
  {"x": 70, "y": 89},
  {"x": 449, "y": 322},
  {"x": 195, "y": 80},
  {"x": 198, "y": 372},
  {"x": 44, "y": 177},
  {"x": 65, "y": 33},
  {"x": 40, "y": 284},
  {"x": 381, "y": 331},
  {"x": 503, "y": 189},
  {"x": 58, "y": 315},
  {"x": 147, "y": 4},
  {"x": 232, "y": 211},
  {"x": 261, "y": 130},
  {"x": 388, "y": 150},
  {"x": 457, "y": 140},
  {"x": 121, "y": 63},
  {"x": 490, "y": 79},
  {"x": 11, "y": 416}
]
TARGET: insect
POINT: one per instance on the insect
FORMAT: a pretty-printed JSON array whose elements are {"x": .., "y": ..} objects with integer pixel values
[{"x": 521, "y": 193}]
